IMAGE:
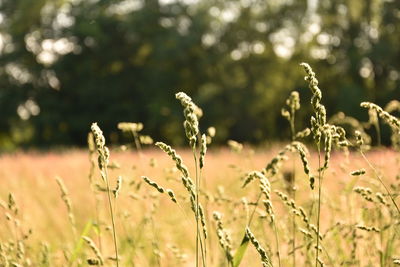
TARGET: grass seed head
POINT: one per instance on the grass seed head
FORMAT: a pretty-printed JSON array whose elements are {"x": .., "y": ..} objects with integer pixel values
[
  {"x": 223, "y": 236},
  {"x": 171, "y": 194},
  {"x": 328, "y": 148},
  {"x": 118, "y": 186},
  {"x": 264, "y": 256},
  {"x": 95, "y": 249},
  {"x": 153, "y": 184},
  {"x": 302, "y": 150},
  {"x": 235, "y": 146},
  {"x": 393, "y": 105},
  {"x": 175, "y": 157},
  {"x": 191, "y": 112},
  {"x": 67, "y": 200},
  {"x": 203, "y": 150},
  {"x": 104, "y": 153},
  {"x": 11, "y": 204},
  {"x": 368, "y": 228},
  {"x": 381, "y": 199},
  {"x": 211, "y": 131},
  {"x": 130, "y": 126},
  {"x": 145, "y": 140},
  {"x": 203, "y": 221},
  {"x": 358, "y": 172},
  {"x": 389, "y": 119},
  {"x": 269, "y": 209},
  {"x": 303, "y": 134},
  {"x": 319, "y": 120}
]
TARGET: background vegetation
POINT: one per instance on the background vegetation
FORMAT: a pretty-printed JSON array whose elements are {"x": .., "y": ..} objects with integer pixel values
[{"x": 67, "y": 63}]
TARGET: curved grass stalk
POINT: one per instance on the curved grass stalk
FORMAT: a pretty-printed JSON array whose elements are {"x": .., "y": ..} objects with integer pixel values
[
  {"x": 112, "y": 216},
  {"x": 199, "y": 241},
  {"x": 277, "y": 244},
  {"x": 273, "y": 226},
  {"x": 293, "y": 184},
  {"x": 380, "y": 181},
  {"x": 320, "y": 174},
  {"x": 103, "y": 161}
]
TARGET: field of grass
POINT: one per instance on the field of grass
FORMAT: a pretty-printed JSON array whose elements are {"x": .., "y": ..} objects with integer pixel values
[
  {"x": 154, "y": 231},
  {"x": 331, "y": 204}
]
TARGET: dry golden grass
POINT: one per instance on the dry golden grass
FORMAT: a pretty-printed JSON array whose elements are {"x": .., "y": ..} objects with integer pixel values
[{"x": 150, "y": 225}]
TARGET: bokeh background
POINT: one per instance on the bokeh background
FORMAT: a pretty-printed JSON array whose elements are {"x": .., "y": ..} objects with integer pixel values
[{"x": 67, "y": 63}]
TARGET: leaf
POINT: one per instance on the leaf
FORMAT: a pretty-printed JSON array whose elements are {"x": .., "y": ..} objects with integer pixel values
[
  {"x": 237, "y": 258},
  {"x": 79, "y": 244},
  {"x": 96, "y": 228}
]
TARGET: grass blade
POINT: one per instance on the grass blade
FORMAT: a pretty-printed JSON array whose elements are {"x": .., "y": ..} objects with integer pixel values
[
  {"x": 237, "y": 258},
  {"x": 79, "y": 244}
]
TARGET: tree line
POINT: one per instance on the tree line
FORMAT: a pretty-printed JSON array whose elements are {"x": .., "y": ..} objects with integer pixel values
[{"x": 68, "y": 63}]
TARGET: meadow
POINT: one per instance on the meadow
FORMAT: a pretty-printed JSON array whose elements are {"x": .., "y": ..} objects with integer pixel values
[{"x": 326, "y": 198}]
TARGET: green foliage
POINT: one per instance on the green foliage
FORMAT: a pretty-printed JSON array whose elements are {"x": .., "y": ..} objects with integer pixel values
[
  {"x": 109, "y": 61},
  {"x": 237, "y": 259}
]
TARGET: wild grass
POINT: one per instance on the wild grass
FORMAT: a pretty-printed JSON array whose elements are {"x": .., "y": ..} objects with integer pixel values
[
  {"x": 334, "y": 203},
  {"x": 43, "y": 211}
]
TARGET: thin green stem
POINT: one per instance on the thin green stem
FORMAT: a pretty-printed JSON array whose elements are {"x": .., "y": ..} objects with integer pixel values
[
  {"x": 197, "y": 211},
  {"x": 274, "y": 227},
  {"x": 381, "y": 239},
  {"x": 112, "y": 216},
  {"x": 206, "y": 205},
  {"x": 96, "y": 201},
  {"x": 254, "y": 210},
  {"x": 294, "y": 215},
  {"x": 137, "y": 143},
  {"x": 319, "y": 202},
  {"x": 201, "y": 249},
  {"x": 293, "y": 188},
  {"x": 277, "y": 244},
  {"x": 198, "y": 235},
  {"x": 327, "y": 255},
  {"x": 205, "y": 243}
]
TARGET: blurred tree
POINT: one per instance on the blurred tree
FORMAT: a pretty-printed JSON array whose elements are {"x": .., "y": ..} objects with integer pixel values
[
  {"x": 67, "y": 63},
  {"x": 363, "y": 53}
]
